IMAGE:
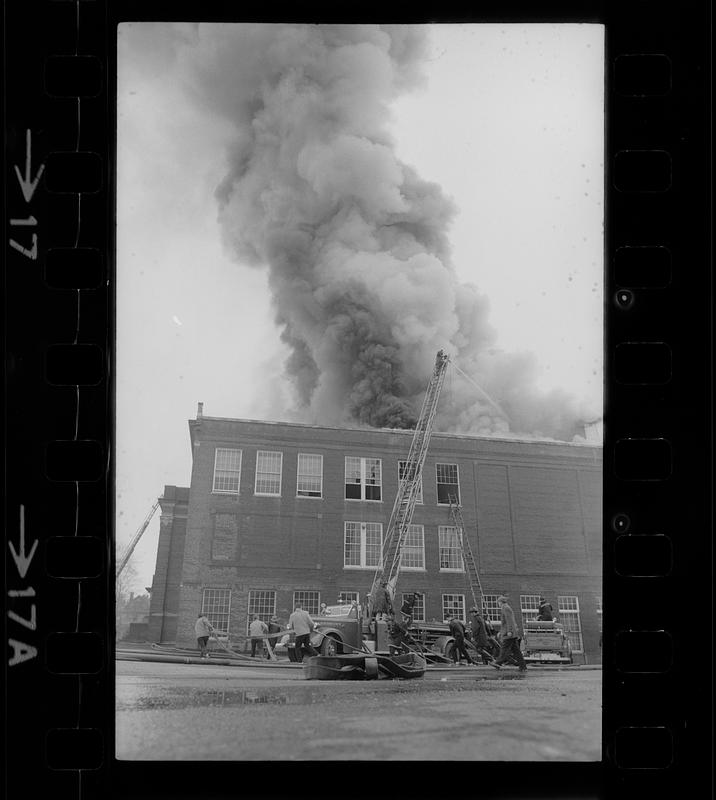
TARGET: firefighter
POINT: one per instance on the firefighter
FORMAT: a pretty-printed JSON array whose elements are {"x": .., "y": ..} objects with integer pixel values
[
  {"x": 382, "y": 604},
  {"x": 480, "y": 637},
  {"x": 509, "y": 636},
  {"x": 398, "y": 636},
  {"x": 457, "y": 631},
  {"x": 546, "y": 612}
]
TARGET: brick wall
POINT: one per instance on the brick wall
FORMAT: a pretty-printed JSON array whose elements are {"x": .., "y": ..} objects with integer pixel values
[{"x": 532, "y": 512}]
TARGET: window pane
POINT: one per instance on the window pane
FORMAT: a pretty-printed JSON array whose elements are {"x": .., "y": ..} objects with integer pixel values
[
  {"x": 268, "y": 472},
  {"x": 345, "y": 598},
  {"x": 454, "y": 606},
  {"x": 413, "y": 551},
  {"x": 310, "y": 600},
  {"x": 491, "y": 606},
  {"x": 418, "y": 608},
  {"x": 569, "y": 617},
  {"x": 373, "y": 541},
  {"x": 310, "y": 475},
  {"x": 447, "y": 483},
  {"x": 351, "y": 541},
  {"x": 450, "y": 550},
  {"x": 261, "y": 602},
  {"x": 401, "y": 475},
  {"x": 227, "y": 469},
  {"x": 216, "y": 604},
  {"x": 529, "y": 604}
]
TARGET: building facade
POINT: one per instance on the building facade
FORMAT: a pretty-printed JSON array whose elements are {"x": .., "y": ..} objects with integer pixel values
[{"x": 279, "y": 513}]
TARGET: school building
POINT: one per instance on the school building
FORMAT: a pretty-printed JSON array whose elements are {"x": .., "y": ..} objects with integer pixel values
[{"x": 278, "y": 513}]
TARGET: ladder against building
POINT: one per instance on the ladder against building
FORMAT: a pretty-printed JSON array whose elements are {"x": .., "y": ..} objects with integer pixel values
[
  {"x": 468, "y": 559},
  {"x": 409, "y": 483},
  {"x": 137, "y": 536}
]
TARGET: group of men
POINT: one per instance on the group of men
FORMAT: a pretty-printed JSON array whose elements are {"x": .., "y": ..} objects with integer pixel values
[
  {"x": 260, "y": 632},
  {"x": 399, "y": 638}
]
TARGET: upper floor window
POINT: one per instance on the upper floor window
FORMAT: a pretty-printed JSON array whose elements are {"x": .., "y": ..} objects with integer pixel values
[
  {"x": 362, "y": 544},
  {"x": 309, "y": 480},
  {"x": 448, "y": 483},
  {"x": 227, "y": 471},
  {"x": 402, "y": 474},
  {"x": 413, "y": 550},
  {"x": 268, "y": 473},
  {"x": 363, "y": 478},
  {"x": 450, "y": 549}
]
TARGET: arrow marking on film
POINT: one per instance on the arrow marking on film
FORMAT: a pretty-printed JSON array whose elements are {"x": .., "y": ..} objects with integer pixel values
[
  {"x": 28, "y": 185},
  {"x": 22, "y": 561}
]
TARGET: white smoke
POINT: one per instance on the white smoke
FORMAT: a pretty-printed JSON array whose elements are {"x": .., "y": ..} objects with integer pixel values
[{"x": 355, "y": 242}]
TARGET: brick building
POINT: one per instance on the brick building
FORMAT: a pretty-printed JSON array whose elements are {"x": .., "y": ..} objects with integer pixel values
[{"x": 278, "y": 512}]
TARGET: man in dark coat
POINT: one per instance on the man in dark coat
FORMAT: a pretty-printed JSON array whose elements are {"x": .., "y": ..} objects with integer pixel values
[
  {"x": 479, "y": 636},
  {"x": 545, "y": 610},
  {"x": 457, "y": 631},
  {"x": 382, "y": 604},
  {"x": 509, "y": 636},
  {"x": 398, "y": 636},
  {"x": 408, "y": 608},
  {"x": 273, "y": 627}
]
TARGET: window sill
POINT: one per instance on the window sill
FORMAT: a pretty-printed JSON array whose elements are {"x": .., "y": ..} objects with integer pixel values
[
  {"x": 362, "y": 569},
  {"x": 456, "y": 571},
  {"x": 360, "y": 500},
  {"x": 308, "y": 497},
  {"x": 266, "y": 494},
  {"x": 413, "y": 569},
  {"x": 224, "y": 494}
]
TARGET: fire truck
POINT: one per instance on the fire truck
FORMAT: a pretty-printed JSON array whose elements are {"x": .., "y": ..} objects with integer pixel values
[{"x": 354, "y": 627}]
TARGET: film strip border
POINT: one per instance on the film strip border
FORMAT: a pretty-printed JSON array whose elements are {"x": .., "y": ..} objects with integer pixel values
[
  {"x": 60, "y": 561},
  {"x": 655, "y": 361}
]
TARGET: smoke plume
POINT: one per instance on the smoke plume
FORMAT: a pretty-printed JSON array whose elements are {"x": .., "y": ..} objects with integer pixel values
[{"x": 356, "y": 244}]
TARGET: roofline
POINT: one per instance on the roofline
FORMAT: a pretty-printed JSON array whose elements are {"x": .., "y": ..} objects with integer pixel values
[{"x": 403, "y": 431}]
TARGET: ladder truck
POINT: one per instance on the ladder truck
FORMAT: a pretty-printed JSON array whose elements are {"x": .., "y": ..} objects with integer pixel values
[{"x": 345, "y": 626}]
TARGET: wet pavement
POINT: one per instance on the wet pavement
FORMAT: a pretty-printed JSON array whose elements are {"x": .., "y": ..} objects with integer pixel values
[{"x": 258, "y": 712}]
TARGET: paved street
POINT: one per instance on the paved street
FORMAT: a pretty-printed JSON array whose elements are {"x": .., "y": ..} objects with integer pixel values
[{"x": 207, "y": 711}]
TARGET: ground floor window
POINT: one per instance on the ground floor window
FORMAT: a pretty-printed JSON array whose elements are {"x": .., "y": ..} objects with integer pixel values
[
  {"x": 418, "y": 608},
  {"x": 454, "y": 606},
  {"x": 346, "y": 598},
  {"x": 216, "y": 604},
  {"x": 491, "y": 607},
  {"x": 529, "y": 604},
  {"x": 569, "y": 617},
  {"x": 261, "y": 602},
  {"x": 310, "y": 600},
  {"x": 362, "y": 544}
]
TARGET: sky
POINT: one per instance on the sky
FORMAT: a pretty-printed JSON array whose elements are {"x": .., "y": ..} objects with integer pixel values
[{"x": 507, "y": 120}]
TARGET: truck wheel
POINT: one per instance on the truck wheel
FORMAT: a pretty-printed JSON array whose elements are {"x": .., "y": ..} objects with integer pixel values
[{"x": 331, "y": 646}]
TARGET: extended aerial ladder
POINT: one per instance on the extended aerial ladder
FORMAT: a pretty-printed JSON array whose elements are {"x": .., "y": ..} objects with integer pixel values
[
  {"x": 137, "y": 536},
  {"x": 409, "y": 483}
]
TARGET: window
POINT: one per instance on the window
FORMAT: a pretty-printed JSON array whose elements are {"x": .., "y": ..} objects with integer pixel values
[
  {"x": 309, "y": 481},
  {"x": 363, "y": 478},
  {"x": 599, "y": 612},
  {"x": 227, "y": 470},
  {"x": 529, "y": 604},
  {"x": 268, "y": 473},
  {"x": 401, "y": 475},
  {"x": 413, "y": 550},
  {"x": 450, "y": 549},
  {"x": 491, "y": 606},
  {"x": 418, "y": 608},
  {"x": 569, "y": 617},
  {"x": 261, "y": 602},
  {"x": 362, "y": 544},
  {"x": 310, "y": 601},
  {"x": 223, "y": 541},
  {"x": 216, "y": 604},
  {"x": 454, "y": 606},
  {"x": 345, "y": 598},
  {"x": 448, "y": 483}
]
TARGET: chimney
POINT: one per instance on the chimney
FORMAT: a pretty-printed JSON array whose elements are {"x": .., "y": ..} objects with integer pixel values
[{"x": 200, "y": 411}]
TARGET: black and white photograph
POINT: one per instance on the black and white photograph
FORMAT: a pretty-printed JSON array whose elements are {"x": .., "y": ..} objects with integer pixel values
[{"x": 359, "y": 391}]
